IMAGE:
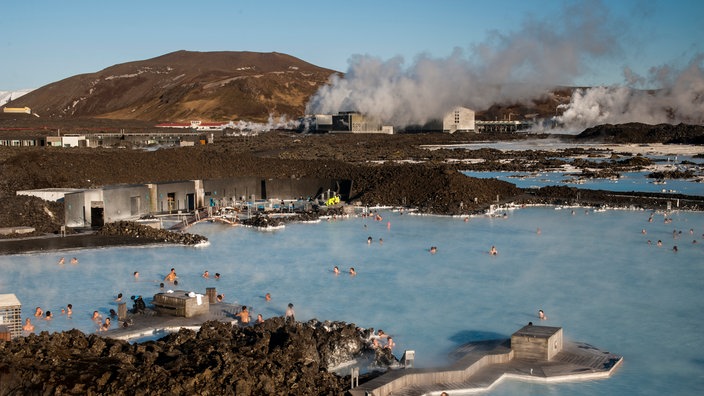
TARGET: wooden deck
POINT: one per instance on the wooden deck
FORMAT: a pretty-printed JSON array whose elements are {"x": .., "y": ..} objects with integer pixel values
[{"x": 482, "y": 365}]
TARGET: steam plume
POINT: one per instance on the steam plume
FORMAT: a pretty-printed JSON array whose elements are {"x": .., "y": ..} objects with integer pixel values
[
  {"x": 504, "y": 68},
  {"x": 680, "y": 99},
  {"x": 518, "y": 67}
]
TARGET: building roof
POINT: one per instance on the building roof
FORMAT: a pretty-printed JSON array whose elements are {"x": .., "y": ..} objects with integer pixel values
[
  {"x": 537, "y": 331},
  {"x": 8, "y": 300}
]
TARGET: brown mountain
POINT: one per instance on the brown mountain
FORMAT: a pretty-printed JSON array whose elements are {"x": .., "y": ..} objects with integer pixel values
[{"x": 184, "y": 86}]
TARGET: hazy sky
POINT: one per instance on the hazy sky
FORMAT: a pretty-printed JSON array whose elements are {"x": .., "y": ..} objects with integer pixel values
[{"x": 47, "y": 40}]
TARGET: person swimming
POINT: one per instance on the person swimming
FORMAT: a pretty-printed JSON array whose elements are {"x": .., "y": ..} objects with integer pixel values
[
  {"x": 541, "y": 315},
  {"x": 433, "y": 249},
  {"x": 243, "y": 315},
  {"x": 28, "y": 326},
  {"x": 106, "y": 325},
  {"x": 38, "y": 312},
  {"x": 171, "y": 277},
  {"x": 493, "y": 251},
  {"x": 74, "y": 261},
  {"x": 353, "y": 271},
  {"x": 336, "y": 270}
]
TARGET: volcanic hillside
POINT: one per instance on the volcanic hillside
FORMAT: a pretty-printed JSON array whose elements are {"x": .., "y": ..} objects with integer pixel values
[{"x": 183, "y": 86}]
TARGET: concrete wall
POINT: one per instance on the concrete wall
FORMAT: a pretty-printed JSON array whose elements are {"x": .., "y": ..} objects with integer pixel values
[
  {"x": 225, "y": 191},
  {"x": 77, "y": 207},
  {"x": 173, "y": 196},
  {"x": 127, "y": 202},
  {"x": 459, "y": 119}
]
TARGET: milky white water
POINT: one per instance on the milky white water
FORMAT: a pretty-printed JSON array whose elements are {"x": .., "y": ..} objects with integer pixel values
[{"x": 592, "y": 272}]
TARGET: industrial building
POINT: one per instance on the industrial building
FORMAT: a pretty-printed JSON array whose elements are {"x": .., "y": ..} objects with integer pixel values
[
  {"x": 460, "y": 119},
  {"x": 199, "y": 125},
  {"x": 503, "y": 126},
  {"x": 346, "y": 122},
  {"x": 97, "y": 206}
]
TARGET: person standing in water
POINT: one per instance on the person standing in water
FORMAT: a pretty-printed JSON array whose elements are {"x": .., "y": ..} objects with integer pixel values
[{"x": 290, "y": 314}]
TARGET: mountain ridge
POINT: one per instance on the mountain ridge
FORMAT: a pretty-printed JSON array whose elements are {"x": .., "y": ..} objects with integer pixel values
[{"x": 185, "y": 85}]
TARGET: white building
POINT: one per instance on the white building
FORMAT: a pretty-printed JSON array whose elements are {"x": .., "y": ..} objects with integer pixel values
[
  {"x": 67, "y": 141},
  {"x": 459, "y": 119}
]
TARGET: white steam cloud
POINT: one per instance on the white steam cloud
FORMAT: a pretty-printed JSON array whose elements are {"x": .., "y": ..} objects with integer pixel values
[
  {"x": 255, "y": 128},
  {"x": 512, "y": 68},
  {"x": 680, "y": 99}
]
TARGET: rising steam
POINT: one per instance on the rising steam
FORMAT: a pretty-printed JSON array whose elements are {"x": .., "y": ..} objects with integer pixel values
[
  {"x": 514, "y": 68},
  {"x": 681, "y": 99}
]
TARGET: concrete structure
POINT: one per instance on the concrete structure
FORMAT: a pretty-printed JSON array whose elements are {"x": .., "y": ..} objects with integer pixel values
[
  {"x": 198, "y": 125},
  {"x": 95, "y": 207},
  {"x": 67, "y": 141},
  {"x": 320, "y": 123},
  {"x": 142, "y": 139},
  {"x": 460, "y": 119},
  {"x": 224, "y": 192},
  {"x": 23, "y": 141},
  {"x": 502, "y": 126},
  {"x": 16, "y": 230},
  {"x": 10, "y": 317},
  {"x": 354, "y": 122},
  {"x": 174, "y": 197}
]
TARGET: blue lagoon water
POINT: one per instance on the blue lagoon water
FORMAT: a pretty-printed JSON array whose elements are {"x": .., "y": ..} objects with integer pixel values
[{"x": 593, "y": 273}]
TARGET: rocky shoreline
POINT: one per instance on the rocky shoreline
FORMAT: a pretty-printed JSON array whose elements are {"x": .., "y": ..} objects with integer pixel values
[
  {"x": 125, "y": 233},
  {"x": 271, "y": 358}
]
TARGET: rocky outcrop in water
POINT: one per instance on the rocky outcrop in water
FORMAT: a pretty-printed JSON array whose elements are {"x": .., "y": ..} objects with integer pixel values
[
  {"x": 264, "y": 220},
  {"x": 272, "y": 358},
  {"x": 138, "y": 231}
]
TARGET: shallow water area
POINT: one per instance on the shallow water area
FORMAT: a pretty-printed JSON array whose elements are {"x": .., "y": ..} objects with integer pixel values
[
  {"x": 593, "y": 273},
  {"x": 628, "y": 181}
]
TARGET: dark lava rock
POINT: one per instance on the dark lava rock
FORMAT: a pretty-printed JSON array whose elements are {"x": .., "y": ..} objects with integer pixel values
[
  {"x": 636, "y": 132},
  {"x": 265, "y": 220},
  {"x": 272, "y": 358},
  {"x": 138, "y": 231}
]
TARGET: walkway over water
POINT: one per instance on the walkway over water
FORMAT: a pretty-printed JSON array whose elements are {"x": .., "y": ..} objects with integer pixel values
[{"x": 482, "y": 365}]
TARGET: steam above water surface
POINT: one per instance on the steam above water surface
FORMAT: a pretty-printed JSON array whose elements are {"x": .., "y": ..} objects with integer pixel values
[
  {"x": 592, "y": 272},
  {"x": 517, "y": 67}
]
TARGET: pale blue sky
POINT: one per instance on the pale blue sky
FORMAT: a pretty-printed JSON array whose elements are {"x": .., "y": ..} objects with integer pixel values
[{"x": 44, "y": 41}]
